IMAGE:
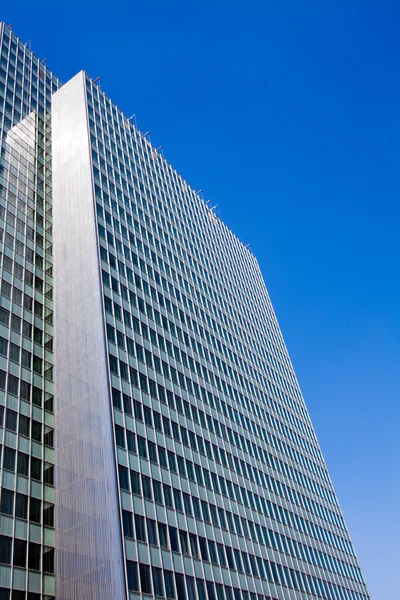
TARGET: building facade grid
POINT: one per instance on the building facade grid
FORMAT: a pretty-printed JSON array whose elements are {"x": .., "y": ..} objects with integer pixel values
[{"x": 221, "y": 488}]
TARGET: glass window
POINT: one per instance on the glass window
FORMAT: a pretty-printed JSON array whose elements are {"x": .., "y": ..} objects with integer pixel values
[
  {"x": 203, "y": 548},
  {"x": 210, "y": 590},
  {"x": 183, "y": 537},
  {"x": 180, "y": 586},
  {"x": 127, "y": 524},
  {"x": 152, "y": 532},
  {"x": 201, "y": 589},
  {"x": 8, "y": 459},
  {"x": 147, "y": 489},
  {"x": 169, "y": 584},
  {"x": 162, "y": 533},
  {"x": 173, "y": 536},
  {"x": 5, "y": 550},
  {"x": 158, "y": 583},
  {"x": 140, "y": 528},
  {"x": 133, "y": 579},
  {"x": 178, "y": 500},
  {"x": 20, "y": 550},
  {"x": 7, "y": 502}
]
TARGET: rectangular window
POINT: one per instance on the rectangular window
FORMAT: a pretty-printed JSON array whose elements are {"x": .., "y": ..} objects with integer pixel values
[
  {"x": 135, "y": 483},
  {"x": 173, "y": 537},
  {"x": 163, "y": 535},
  {"x": 127, "y": 523},
  {"x": 152, "y": 532},
  {"x": 140, "y": 528}
]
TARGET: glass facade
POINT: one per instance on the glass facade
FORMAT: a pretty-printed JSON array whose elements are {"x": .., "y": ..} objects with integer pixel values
[
  {"x": 26, "y": 325},
  {"x": 186, "y": 463}
]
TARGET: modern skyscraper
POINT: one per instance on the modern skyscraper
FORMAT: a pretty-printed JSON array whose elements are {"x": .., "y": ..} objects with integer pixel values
[{"x": 177, "y": 458}]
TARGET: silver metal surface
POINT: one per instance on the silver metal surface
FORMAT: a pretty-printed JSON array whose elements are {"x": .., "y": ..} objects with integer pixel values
[{"x": 89, "y": 561}]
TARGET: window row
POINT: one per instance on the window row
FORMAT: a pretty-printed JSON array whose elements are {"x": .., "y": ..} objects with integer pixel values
[
  {"x": 163, "y": 583},
  {"x": 192, "y": 506},
  {"x": 191, "y": 249},
  {"x": 210, "y": 327},
  {"x": 26, "y": 465},
  {"x": 227, "y": 487},
  {"x": 214, "y": 426},
  {"x": 178, "y": 378},
  {"x": 20, "y": 388},
  {"x": 29, "y": 428},
  {"x": 213, "y": 307},
  {"x": 30, "y": 555},
  {"x": 166, "y": 584},
  {"x": 26, "y": 507},
  {"x": 232, "y": 462},
  {"x": 200, "y": 370}
]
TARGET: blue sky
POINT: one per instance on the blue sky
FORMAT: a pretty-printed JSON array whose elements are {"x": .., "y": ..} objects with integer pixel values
[{"x": 287, "y": 115}]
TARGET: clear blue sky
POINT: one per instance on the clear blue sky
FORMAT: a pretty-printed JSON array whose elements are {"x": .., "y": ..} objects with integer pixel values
[{"x": 287, "y": 115}]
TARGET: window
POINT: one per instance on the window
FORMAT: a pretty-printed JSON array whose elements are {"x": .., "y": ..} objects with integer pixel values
[
  {"x": 142, "y": 446},
  {"x": 21, "y": 506},
  {"x": 157, "y": 492},
  {"x": 168, "y": 496},
  {"x": 5, "y": 550},
  {"x": 183, "y": 537},
  {"x": 127, "y": 524},
  {"x": 180, "y": 586},
  {"x": 147, "y": 489},
  {"x": 238, "y": 560},
  {"x": 34, "y": 556},
  {"x": 193, "y": 545},
  {"x": 140, "y": 528},
  {"x": 20, "y": 548},
  {"x": 152, "y": 532},
  {"x": 210, "y": 590},
  {"x": 213, "y": 551},
  {"x": 131, "y": 440},
  {"x": 178, "y": 500},
  {"x": 135, "y": 483},
  {"x": 11, "y": 420},
  {"x": 133, "y": 579},
  {"x": 221, "y": 555},
  {"x": 173, "y": 536},
  {"x": 119, "y": 436},
  {"x": 187, "y": 504},
  {"x": 162, "y": 457},
  {"x": 158, "y": 581},
  {"x": 203, "y": 548},
  {"x": 7, "y": 502},
  {"x": 201, "y": 589},
  {"x": 169, "y": 584},
  {"x": 8, "y": 459},
  {"x": 123, "y": 477},
  {"x": 163, "y": 536},
  {"x": 152, "y": 452},
  {"x": 196, "y": 507},
  {"x": 35, "y": 510}
]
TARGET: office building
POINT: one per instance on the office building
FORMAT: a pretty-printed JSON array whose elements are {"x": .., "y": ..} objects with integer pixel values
[{"x": 155, "y": 439}]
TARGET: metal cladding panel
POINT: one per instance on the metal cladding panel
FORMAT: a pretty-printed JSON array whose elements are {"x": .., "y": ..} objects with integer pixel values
[{"x": 89, "y": 556}]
